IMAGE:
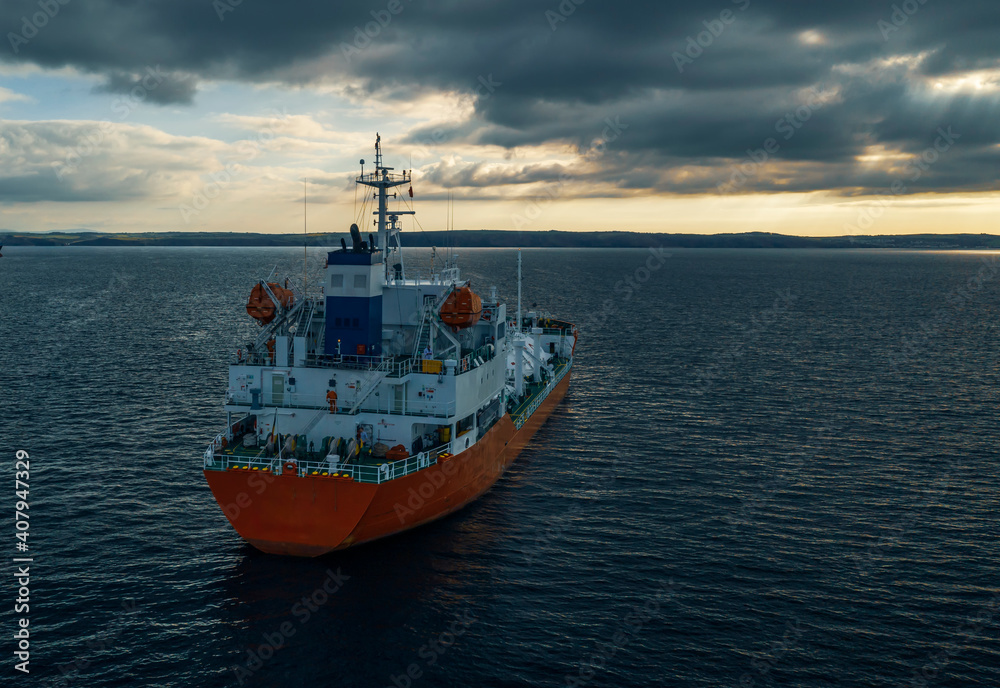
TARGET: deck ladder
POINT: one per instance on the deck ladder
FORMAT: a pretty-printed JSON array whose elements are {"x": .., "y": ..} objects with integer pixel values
[{"x": 371, "y": 383}]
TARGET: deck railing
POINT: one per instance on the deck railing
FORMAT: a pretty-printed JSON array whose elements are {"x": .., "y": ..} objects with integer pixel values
[
  {"x": 523, "y": 416},
  {"x": 468, "y": 362},
  {"x": 392, "y": 367},
  {"x": 362, "y": 473},
  {"x": 376, "y": 404}
]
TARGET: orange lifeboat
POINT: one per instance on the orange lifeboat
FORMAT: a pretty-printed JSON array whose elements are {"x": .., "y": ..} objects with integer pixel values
[
  {"x": 462, "y": 308},
  {"x": 261, "y": 307}
]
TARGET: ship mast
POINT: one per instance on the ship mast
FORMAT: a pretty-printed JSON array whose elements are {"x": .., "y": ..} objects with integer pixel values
[
  {"x": 518, "y": 290},
  {"x": 305, "y": 237},
  {"x": 382, "y": 180}
]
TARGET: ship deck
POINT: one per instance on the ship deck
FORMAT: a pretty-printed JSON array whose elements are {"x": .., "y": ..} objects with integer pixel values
[
  {"x": 363, "y": 468},
  {"x": 366, "y": 467},
  {"x": 534, "y": 394}
]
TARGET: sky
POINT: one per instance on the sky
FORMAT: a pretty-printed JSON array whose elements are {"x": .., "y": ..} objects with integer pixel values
[{"x": 798, "y": 117}]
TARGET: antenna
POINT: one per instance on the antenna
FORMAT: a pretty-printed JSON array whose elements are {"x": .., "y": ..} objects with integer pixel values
[{"x": 451, "y": 228}]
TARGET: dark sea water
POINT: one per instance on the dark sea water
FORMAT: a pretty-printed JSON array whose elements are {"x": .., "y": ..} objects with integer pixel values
[{"x": 773, "y": 468}]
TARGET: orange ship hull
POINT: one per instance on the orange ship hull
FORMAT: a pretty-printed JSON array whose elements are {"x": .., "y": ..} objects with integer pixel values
[{"x": 310, "y": 516}]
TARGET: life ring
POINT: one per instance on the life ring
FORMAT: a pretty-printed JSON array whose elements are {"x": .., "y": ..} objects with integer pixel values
[
  {"x": 290, "y": 467},
  {"x": 465, "y": 364}
]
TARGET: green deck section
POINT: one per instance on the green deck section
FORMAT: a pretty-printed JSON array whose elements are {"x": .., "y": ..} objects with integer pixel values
[
  {"x": 531, "y": 391},
  {"x": 533, "y": 394}
]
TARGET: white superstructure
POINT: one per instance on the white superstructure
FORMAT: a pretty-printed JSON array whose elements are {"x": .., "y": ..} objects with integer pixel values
[{"x": 372, "y": 360}]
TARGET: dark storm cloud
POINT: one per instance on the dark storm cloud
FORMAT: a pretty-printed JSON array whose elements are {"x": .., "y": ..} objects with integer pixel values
[
  {"x": 153, "y": 86},
  {"x": 555, "y": 72},
  {"x": 476, "y": 174}
]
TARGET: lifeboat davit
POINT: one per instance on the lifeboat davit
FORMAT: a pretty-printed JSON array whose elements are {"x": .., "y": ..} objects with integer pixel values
[
  {"x": 261, "y": 307},
  {"x": 462, "y": 308}
]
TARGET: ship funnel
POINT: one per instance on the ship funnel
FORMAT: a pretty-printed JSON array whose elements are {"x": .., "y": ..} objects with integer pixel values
[{"x": 356, "y": 237}]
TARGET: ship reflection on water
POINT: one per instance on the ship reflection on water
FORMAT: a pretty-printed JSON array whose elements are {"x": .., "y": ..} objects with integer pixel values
[{"x": 351, "y": 615}]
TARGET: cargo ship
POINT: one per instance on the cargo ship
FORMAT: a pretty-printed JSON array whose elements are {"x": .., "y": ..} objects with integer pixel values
[{"x": 384, "y": 401}]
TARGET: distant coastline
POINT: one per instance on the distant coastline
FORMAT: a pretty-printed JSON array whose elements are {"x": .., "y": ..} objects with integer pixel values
[{"x": 512, "y": 239}]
